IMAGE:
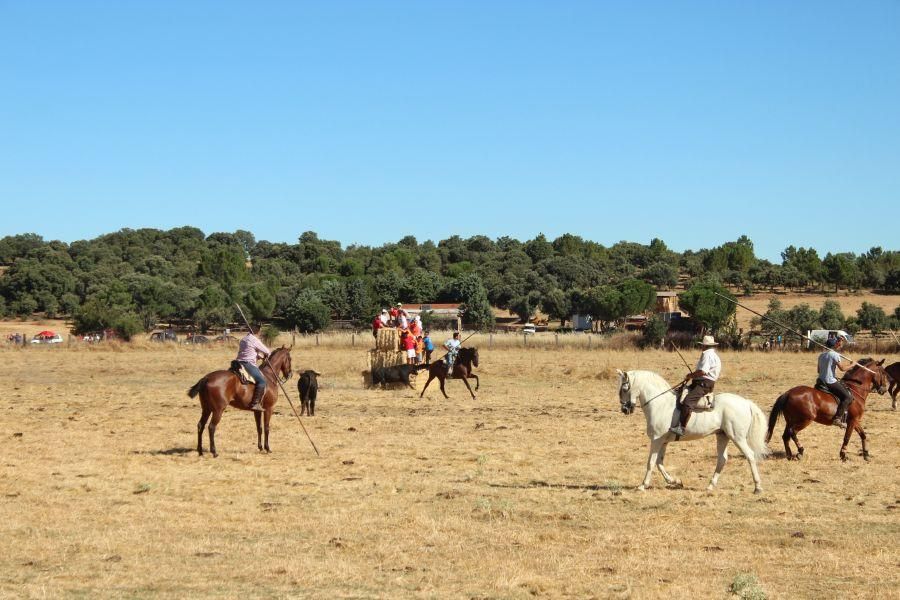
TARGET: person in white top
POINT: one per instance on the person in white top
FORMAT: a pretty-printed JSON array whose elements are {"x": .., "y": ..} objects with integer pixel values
[
  {"x": 452, "y": 345},
  {"x": 703, "y": 381}
]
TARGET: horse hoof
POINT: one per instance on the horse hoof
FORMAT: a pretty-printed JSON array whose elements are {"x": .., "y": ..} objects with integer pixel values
[
  {"x": 710, "y": 488},
  {"x": 641, "y": 488},
  {"x": 757, "y": 491},
  {"x": 866, "y": 457},
  {"x": 844, "y": 457},
  {"x": 215, "y": 455}
]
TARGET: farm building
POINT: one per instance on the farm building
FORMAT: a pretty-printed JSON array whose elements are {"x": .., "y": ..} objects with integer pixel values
[
  {"x": 666, "y": 302},
  {"x": 443, "y": 315}
]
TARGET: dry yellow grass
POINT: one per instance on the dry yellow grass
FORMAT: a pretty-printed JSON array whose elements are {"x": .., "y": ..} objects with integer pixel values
[
  {"x": 528, "y": 491},
  {"x": 849, "y": 302}
]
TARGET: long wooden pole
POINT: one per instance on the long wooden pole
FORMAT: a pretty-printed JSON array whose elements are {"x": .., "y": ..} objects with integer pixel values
[
  {"x": 797, "y": 333},
  {"x": 281, "y": 385}
]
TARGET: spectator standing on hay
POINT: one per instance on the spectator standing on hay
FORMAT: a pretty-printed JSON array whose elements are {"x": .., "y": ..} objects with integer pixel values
[
  {"x": 429, "y": 347},
  {"x": 392, "y": 316},
  {"x": 377, "y": 324},
  {"x": 383, "y": 317},
  {"x": 402, "y": 319},
  {"x": 415, "y": 326}
]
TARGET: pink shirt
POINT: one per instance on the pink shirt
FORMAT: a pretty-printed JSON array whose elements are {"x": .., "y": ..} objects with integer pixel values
[{"x": 249, "y": 347}]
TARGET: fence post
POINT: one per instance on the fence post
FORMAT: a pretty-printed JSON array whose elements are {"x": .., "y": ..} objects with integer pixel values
[
  {"x": 353, "y": 339},
  {"x": 556, "y": 335},
  {"x": 525, "y": 340},
  {"x": 317, "y": 339},
  {"x": 590, "y": 339},
  {"x": 491, "y": 340}
]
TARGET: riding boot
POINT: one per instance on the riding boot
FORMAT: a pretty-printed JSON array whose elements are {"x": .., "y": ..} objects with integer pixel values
[
  {"x": 840, "y": 415},
  {"x": 678, "y": 429},
  {"x": 256, "y": 403}
]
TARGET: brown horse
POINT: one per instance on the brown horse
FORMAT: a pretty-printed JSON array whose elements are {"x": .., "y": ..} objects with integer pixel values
[
  {"x": 221, "y": 388},
  {"x": 893, "y": 372},
  {"x": 466, "y": 360},
  {"x": 802, "y": 405}
]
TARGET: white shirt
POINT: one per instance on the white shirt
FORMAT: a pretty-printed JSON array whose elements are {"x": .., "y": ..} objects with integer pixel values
[
  {"x": 711, "y": 364},
  {"x": 828, "y": 360},
  {"x": 452, "y": 345},
  {"x": 384, "y": 318},
  {"x": 403, "y": 323}
]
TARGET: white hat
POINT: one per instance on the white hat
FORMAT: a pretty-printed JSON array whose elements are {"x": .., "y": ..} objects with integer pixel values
[{"x": 708, "y": 340}]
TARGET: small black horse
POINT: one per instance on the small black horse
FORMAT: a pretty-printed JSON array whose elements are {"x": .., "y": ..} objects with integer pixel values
[{"x": 466, "y": 360}]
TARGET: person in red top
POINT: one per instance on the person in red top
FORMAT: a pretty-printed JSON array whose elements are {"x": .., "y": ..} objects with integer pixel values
[
  {"x": 408, "y": 343},
  {"x": 394, "y": 313},
  {"x": 377, "y": 324}
]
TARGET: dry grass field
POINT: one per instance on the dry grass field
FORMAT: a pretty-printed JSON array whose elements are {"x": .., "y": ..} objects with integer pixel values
[
  {"x": 526, "y": 491},
  {"x": 850, "y": 303}
]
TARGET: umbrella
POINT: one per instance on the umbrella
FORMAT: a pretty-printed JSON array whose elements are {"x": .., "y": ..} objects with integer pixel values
[{"x": 47, "y": 333}]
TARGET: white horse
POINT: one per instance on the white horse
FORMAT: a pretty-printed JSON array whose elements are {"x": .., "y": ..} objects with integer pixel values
[{"x": 732, "y": 418}]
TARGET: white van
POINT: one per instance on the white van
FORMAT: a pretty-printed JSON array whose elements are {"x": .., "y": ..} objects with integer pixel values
[
  {"x": 823, "y": 335},
  {"x": 528, "y": 329}
]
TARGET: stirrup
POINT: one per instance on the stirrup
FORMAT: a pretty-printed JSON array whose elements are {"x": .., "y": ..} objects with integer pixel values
[{"x": 677, "y": 430}]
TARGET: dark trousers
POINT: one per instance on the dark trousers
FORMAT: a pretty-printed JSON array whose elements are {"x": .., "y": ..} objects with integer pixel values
[
  {"x": 697, "y": 389},
  {"x": 843, "y": 395}
]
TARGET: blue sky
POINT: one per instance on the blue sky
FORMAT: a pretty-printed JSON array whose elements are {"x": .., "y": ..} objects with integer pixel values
[{"x": 695, "y": 122}]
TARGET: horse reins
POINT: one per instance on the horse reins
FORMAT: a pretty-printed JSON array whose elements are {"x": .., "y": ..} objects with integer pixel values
[{"x": 281, "y": 385}]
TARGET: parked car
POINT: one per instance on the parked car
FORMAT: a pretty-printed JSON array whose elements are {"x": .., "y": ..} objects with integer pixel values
[
  {"x": 167, "y": 335},
  {"x": 196, "y": 339},
  {"x": 528, "y": 329},
  {"x": 225, "y": 339},
  {"x": 47, "y": 337}
]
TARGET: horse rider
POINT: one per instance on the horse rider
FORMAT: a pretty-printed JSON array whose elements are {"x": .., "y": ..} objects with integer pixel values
[
  {"x": 249, "y": 349},
  {"x": 828, "y": 361},
  {"x": 703, "y": 381},
  {"x": 452, "y": 345}
]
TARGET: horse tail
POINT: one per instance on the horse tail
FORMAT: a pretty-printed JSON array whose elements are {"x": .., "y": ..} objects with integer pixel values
[
  {"x": 777, "y": 409},
  {"x": 197, "y": 387},
  {"x": 757, "y": 437}
]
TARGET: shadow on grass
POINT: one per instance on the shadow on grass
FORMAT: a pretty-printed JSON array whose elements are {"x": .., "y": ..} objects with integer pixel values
[
  {"x": 538, "y": 484},
  {"x": 166, "y": 452}
]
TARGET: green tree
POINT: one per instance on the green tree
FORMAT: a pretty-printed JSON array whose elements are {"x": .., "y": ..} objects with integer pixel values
[
  {"x": 226, "y": 266},
  {"x": 260, "y": 301},
  {"x": 662, "y": 275},
  {"x": 704, "y": 302},
  {"x": 654, "y": 332},
  {"x": 637, "y": 296},
  {"x": 841, "y": 270},
  {"x": 830, "y": 315},
  {"x": 871, "y": 317},
  {"x": 470, "y": 292},
  {"x": 308, "y": 314},
  {"x": 525, "y": 306},
  {"x": 558, "y": 305}
]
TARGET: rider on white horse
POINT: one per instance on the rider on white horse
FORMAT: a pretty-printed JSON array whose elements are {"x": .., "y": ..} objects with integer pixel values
[
  {"x": 733, "y": 418},
  {"x": 703, "y": 380}
]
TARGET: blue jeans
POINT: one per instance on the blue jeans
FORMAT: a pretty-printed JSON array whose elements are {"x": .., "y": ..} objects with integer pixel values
[{"x": 256, "y": 374}]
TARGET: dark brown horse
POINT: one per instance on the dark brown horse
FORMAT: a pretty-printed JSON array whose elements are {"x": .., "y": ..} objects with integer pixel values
[
  {"x": 893, "y": 372},
  {"x": 221, "y": 388},
  {"x": 802, "y": 405},
  {"x": 466, "y": 360}
]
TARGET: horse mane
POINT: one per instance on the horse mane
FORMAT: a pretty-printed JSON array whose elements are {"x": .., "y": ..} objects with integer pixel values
[{"x": 651, "y": 377}]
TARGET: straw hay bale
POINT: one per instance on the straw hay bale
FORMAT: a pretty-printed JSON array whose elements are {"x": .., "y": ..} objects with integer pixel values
[
  {"x": 388, "y": 339},
  {"x": 386, "y": 358}
]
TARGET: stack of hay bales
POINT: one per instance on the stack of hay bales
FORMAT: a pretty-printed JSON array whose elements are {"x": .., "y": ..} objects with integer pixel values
[{"x": 387, "y": 351}]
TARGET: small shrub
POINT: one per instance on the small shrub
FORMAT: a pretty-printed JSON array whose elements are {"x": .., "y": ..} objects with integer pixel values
[
  {"x": 746, "y": 586},
  {"x": 269, "y": 333}
]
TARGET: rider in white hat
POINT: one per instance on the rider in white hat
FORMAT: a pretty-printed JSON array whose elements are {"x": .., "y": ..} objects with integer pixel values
[{"x": 703, "y": 380}]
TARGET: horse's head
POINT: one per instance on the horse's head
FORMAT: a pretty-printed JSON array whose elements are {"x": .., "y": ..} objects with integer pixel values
[
  {"x": 626, "y": 399},
  {"x": 475, "y": 357},
  {"x": 871, "y": 371},
  {"x": 281, "y": 360}
]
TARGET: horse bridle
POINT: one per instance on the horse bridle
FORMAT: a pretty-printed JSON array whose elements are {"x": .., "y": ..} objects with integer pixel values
[{"x": 625, "y": 388}]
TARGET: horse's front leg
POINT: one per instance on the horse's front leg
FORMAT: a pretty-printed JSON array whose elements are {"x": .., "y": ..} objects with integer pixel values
[
  {"x": 655, "y": 446},
  {"x": 430, "y": 377},
  {"x": 659, "y": 465},
  {"x": 862, "y": 438},
  {"x": 468, "y": 387},
  {"x": 268, "y": 417},
  {"x": 216, "y": 417},
  {"x": 258, "y": 416},
  {"x": 851, "y": 425},
  {"x": 477, "y": 381}
]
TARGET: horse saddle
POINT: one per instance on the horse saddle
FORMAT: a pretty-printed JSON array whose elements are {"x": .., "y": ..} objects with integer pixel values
[
  {"x": 820, "y": 385},
  {"x": 238, "y": 369},
  {"x": 706, "y": 402}
]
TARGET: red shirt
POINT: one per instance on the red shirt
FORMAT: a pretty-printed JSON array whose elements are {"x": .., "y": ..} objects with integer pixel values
[
  {"x": 377, "y": 324},
  {"x": 394, "y": 312},
  {"x": 409, "y": 343}
]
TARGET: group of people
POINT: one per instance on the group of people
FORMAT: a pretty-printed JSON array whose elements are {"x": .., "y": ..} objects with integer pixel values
[
  {"x": 702, "y": 380},
  {"x": 413, "y": 339}
]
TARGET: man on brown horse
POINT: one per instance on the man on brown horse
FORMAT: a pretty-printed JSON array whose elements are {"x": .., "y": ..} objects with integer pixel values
[
  {"x": 828, "y": 361},
  {"x": 249, "y": 350},
  {"x": 703, "y": 380}
]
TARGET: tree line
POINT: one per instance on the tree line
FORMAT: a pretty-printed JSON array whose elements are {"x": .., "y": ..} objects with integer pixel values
[{"x": 132, "y": 280}]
